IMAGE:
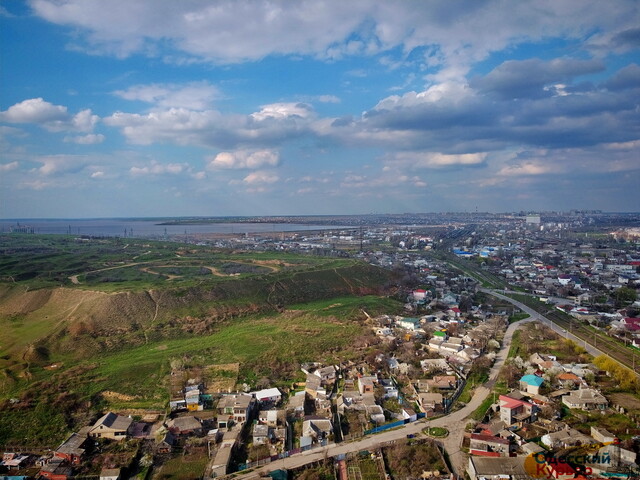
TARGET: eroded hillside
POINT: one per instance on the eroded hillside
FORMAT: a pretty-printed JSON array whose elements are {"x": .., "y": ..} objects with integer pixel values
[{"x": 78, "y": 319}]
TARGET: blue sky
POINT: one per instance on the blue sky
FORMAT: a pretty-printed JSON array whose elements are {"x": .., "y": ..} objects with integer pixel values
[{"x": 165, "y": 108}]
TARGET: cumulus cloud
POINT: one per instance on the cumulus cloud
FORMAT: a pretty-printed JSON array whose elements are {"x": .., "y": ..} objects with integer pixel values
[
  {"x": 34, "y": 110},
  {"x": 283, "y": 110},
  {"x": 53, "y": 165},
  {"x": 193, "y": 96},
  {"x": 55, "y": 118},
  {"x": 244, "y": 159},
  {"x": 272, "y": 124},
  {"x": 260, "y": 177},
  {"x": 229, "y": 32}
]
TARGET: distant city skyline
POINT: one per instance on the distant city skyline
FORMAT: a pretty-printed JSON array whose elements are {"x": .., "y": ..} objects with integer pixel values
[{"x": 157, "y": 108}]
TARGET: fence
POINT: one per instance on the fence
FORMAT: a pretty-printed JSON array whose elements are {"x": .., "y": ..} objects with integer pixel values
[
  {"x": 273, "y": 458},
  {"x": 389, "y": 426}
]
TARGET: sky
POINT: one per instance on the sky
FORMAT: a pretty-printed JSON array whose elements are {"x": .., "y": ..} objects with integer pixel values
[{"x": 153, "y": 108}]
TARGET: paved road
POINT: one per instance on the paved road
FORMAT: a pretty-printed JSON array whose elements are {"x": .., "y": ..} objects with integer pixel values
[
  {"x": 537, "y": 316},
  {"x": 455, "y": 422}
]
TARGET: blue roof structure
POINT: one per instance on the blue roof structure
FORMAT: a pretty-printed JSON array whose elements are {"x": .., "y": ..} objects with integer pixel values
[{"x": 532, "y": 380}]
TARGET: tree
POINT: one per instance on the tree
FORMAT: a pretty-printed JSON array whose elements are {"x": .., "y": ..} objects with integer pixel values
[
  {"x": 624, "y": 296},
  {"x": 465, "y": 304}
]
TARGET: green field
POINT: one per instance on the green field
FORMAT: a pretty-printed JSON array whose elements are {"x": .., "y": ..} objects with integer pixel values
[{"x": 95, "y": 325}]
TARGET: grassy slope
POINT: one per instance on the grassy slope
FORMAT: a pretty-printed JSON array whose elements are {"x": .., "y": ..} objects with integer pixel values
[
  {"x": 121, "y": 336},
  {"x": 321, "y": 331}
]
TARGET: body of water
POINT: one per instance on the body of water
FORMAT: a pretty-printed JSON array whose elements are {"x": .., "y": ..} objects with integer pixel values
[{"x": 120, "y": 227}]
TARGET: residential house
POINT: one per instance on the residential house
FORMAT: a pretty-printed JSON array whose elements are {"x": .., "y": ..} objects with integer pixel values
[
  {"x": 568, "y": 380},
  {"x": 431, "y": 402},
  {"x": 375, "y": 412},
  {"x": 73, "y": 448},
  {"x": 111, "y": 426},
  {"x": 468, "y": 354},
  {"x": 351, "y": 399},
  {"x": 326, "y": 375},
  {"x": 110, "y": 474},
  {"x": 313, "y": 386},
  {"x": 235, "y": 407},
  {"x": 619, "y": 458},
  {"x": 192, "y": 400},
  {"x": 260, "y": 434},
  {"x": 56, "y": 469},
  {"x": 602, "y": 435},
  {"x": 442, "y": 382},
  {"x": 166, "y": 443},
  {"x": 315, "y": 430},
  {"x": 411, "y": 324},
  {"x": 14, "y": 461},
  {"x": 383, "y": 332},
  {"x": 450, "y": 346},
  {"x": 503, "y": 468},
  {"x": 586, "y": 399},
  {"x": 531, "y": 384},
  {"x": 513, "y": 411},
  {"x": 366, "y": 384},
  {"x": 489, "y": 446},
  {"x": 435, "y": 364},
  {"x": 220, "y": 462},
  {"x": 269, "y": 395},
  {"x": 296, "y": 404},
  {"x": 567, "y": 437},
  {"x": 268, "y": 417},
  {"x": 435, "y": 343},
  {"x": 390, "y": 390},
  {"x": 187, "y": 425}
]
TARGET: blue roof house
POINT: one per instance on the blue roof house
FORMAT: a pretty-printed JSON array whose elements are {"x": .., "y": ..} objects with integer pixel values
[{"x": 531, "y": 384}]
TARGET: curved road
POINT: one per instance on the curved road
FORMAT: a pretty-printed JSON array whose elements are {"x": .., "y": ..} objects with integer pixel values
[
  {"x": 455, "y": 422},
  {"x": 541, "y": 318}
]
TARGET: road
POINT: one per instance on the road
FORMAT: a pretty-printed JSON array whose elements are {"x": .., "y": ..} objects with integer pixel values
[
  {"x": 541, "y": 318},
  {"x": 455, "y": 422}
]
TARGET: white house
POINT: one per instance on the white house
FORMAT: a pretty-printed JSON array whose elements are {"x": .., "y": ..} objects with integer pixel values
[{"x": 268, "y": 395}]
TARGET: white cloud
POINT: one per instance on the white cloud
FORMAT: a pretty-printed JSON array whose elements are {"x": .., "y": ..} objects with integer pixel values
[
  {"x": 452, "y": 35},
  {"x": 260, "y": 177},
  {"x": 193, "y": 96},
  {"x": 53, "y": 165},
  {"x": 34, "y": 110},
  {"x": 283, "y": 110},
  {"x": 7, "y": 167},
  {"x": 155, "y": 168},
  {"x": 244, "y": 159},
  {"x": 97, "y": 174},
  {"x": 437, "y": 160},
  {"x": 55, "y": 118},
  {"x": 328, "y": 99},
  {"x": 90, "y": 139},
  {"x": 270, "y": 126},
  {"x": 35, "y": 185},
  {"x": 526, "y": 169}
]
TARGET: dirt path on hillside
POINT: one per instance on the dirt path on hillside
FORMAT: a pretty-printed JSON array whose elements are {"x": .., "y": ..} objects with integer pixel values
[
  {"x": 74, "y": 278},
  {"x": 168, "y": 275}
]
